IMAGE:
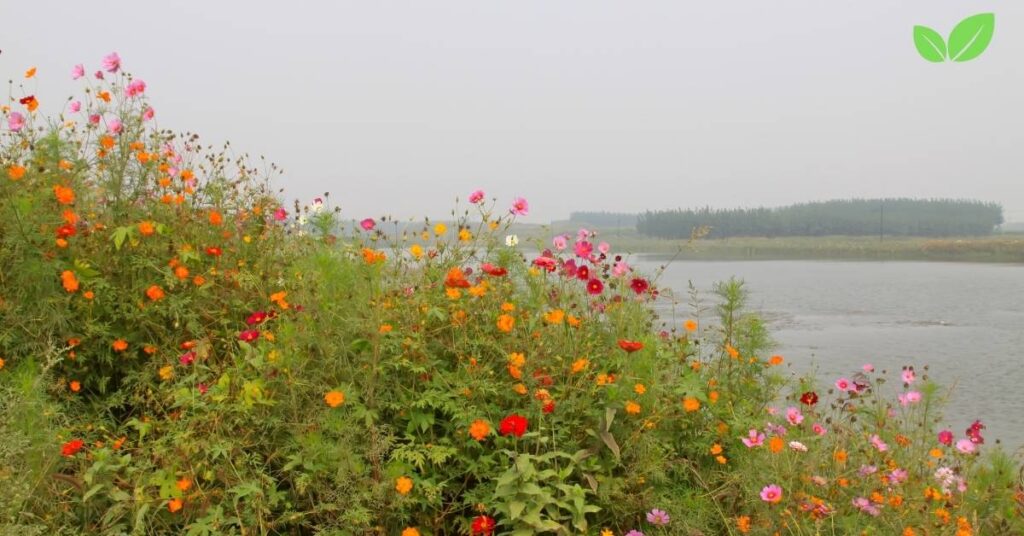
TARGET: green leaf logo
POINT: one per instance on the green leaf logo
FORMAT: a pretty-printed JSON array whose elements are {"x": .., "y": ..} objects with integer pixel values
[{"x": 967, "y": 41}]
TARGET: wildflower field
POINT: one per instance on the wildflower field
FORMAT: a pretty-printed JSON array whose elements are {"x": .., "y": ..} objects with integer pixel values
[{"x": 183, "y": 353}]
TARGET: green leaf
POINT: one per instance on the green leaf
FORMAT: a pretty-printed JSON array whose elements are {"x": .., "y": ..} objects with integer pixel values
[
  {"x": 971, "y": 36},
  {"x": 92, "y": 491},
  {"x": 515, "y": 509},
  {"x": 929, "y": 44},
  {"x": 119, "y": 236}
]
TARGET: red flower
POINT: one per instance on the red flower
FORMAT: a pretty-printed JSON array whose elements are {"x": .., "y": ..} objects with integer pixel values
[
  {"x": 214, "y": 251},
  {"x": 513, "y": 425},
  {"x": 72, "y": 447},
  {"x": 490, "y": 269},
  {"x": 249, "y": 335},
  {"x": 66, "y": 230},
  {"x": 549, "y": 407},
  {"x": 483, "y": 525},
  {"x": 630, "y": 346},
  {"x": 544, "y": 262},
  {"x": 639, "y": 285},
  {"x": 595, "y": 286},
  {"x": 583, "y": 273},
  {"x": 256, "y": 318},
  {"x": 809, "y": 398}
]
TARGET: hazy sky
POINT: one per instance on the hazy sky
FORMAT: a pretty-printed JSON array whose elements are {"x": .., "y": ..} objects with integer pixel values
[{"x": 398, "y": 107}]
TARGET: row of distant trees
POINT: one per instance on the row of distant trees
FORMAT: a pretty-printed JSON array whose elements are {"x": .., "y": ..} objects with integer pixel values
[
  {"x": 852, "y": 217},
  {"x": 604, "y": 219}
]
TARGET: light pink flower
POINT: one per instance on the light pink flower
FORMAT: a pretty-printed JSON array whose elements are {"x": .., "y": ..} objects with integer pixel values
[
  {"x": 620, "y": 269},
  {"x": 115, "y": 126},
  {"x": 476, "y": 197},
  {"x": 865, "y": 506},
  {"x": 77, "y": 71},
  {"x": 868, "y": 367},
  {"x": 771, "y": 493},
  {"x": 844, "y": 384},
  {"x": 148, "y": 114},
  {"x": 898, "y": 476},
  {"x": 136, "y": 87},
  {"x": 559, "y": 242},
  {"x": 520, "y": 207},
  {"x": 867, "y": 470},
  {"x": 753, "y": 439},
  {"x": 878, "y": 443},
  {"x": 111, "y": 62},
  {"x": 819, "y": 429},
  {"x": 15, "y": 121},
  {"x": 796, "y": 445},
  {"x": 75, "y": 106},
  {"x": 368, "y": 224},
  {"x": 604, "y": 247},
  {"x": 794, "y": 416},
  {"x": 910, "y": 397},
  {"x": 582, "y": 234},
  {"x": 966, "y": 446},
  {"x": 908, "y": 376}
]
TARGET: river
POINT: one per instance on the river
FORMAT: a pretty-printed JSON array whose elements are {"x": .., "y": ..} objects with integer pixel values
[{"x": 964, "y": 320}]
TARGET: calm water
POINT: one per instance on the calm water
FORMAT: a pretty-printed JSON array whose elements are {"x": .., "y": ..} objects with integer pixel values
[{"x": 964, "y": 320}]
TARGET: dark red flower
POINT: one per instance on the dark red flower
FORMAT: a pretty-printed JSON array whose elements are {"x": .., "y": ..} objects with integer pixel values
[
  {"x": 249, "y": 335},
  {"x": 214, "y": 251},
  {"x": 549, "y": 407},
  {"x": 583, "y": 273},
  {"x": 483, "y": 525},
  {"x": 639, "y": 285},
  {"x": 490, "y": 269},
  {"x": 809, "y": 398},
  {"x": 256, "y": 318},
  {"x": 630, "y": 346},
  {"x": 974, "y": 433},
  {"x": 513, "y": 425},
  {"x": 72, "y": 447},
  {"x": 595, "y": 286}
]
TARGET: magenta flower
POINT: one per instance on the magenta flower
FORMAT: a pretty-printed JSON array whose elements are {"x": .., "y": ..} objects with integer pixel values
[
  {"x": 476, "y": 197},
  {"x": 249, "y": 335},
  {"x": 634, "y": 532},
  {"x": 98, "y": 75},
  {"x": 910, "y": 397},
  {"x": 148, "y": 114},
  {"x": 898, "y": 476},
  {"x": 582, "y": 234},
  {"x": 15, "y": 121},
  {"x": 658, "y": 517},
  {"x": 115, "y": 126},
  {"x": 368, "y": 224},
  {"x": 946, "y": 437},
  {"x": 865, "y": 506},
  {"x": 753, "y": 439},
  {"x": 974, "y": 432},
  {"x": 75, "y": 106},
  {"x": 520, "y": 207},
  {"x": 280, "y": 214},
  {"x": 844, "y": 384},
  {"x": 187, "y": 358},
  {"x": 819, "y": 429},
  {"x": 94, "y": 119},
  {"x": 583, "y": 249},
  {"x": 136, "y": 87},
  {"x": 203, "y": 388},
  {"x": 111, "y": 62},
  {"x": 771, "y": 493},
  {"x": 77, "y": 71}
]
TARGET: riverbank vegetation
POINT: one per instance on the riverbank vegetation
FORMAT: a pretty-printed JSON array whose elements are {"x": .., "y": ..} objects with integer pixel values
[{"x": 182, "y": 353}]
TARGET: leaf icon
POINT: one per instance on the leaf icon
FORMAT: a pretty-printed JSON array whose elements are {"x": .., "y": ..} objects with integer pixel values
[
  {"x": 929, "y": 44},
  {"x": 971, "y": 36}
]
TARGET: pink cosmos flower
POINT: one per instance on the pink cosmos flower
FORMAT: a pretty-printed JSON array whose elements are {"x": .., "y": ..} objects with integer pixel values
[
  {"x": 368, "y": 224},
  {"x": 868, "y": 367},
  {"x": 280, "y": 214},
  {"x": 771, "y": 494},
  {"x": 604, "y": 247},
  {"x": 583, "y": 249},
  {"x": 582, "y": 234},
  {"x": 775, "y": 429},
  {"x": 658, "y": 517},
  {"x": 111, "y": 62},
  {"x": 476, "y": 197},
  {"x": 878, "y": 443},
  {"x": 187, "y": 358},
  {"x": 94, "y": 119},
  {"x": 203, "y": 388},
  {"x": 844, "y": 384},
  {"x": 910, "y": 397},
  {"x": 867, "y": 470},
  {"x": 77, "y": 71},
  {"x": 908, "y": 376},
  {"x": 520, "y": 207},
  {"x": 136, "y": 87},
  {"x": 559, "y": 242},
  {"x": 946, "y": 437},
  {"x": 794, "y": 416},
  {"x": 620, "y": 269},
  {"x": 75, "y": 106},
  {"x": 865, "y": 506},
  {"x": 115, "y": 126},
  {"x": 974, "y": 432},
  {"x": 15, "y": 121},
  {"x": 966, "y": 446},
  {"x": 898, "y": 476},
  {"x": 148, "y": 114},
  {"x": 753, "y": 439},
  {"x": 819, "y": 429}
]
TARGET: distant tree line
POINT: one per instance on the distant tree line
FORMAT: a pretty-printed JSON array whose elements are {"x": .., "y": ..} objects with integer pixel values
[
  {"x": 604, "y": 219},
  {"x": 851, "y": 217}
]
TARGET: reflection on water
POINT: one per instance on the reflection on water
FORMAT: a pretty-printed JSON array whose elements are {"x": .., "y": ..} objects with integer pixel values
[{"x": 966, "y": 321}]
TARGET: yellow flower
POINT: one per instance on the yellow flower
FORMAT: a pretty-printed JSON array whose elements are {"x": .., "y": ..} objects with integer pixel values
[
  {"x": 440, "y": 229},
  {"x": 166, "y": 372},
  {"x": 721, "y": 459},
  {"x": 517, "y": 359},
  {"x": 555, "y": 316},
  {"x": 453, "y": 293},
  {"x": 416, "y": 251},
  {"x": 478, "y": 290},
  {"x": 520, "y": 389},
  {"x": 639, "y": 389},
  {"x": 334, "y": 398},
  {"x": 465, "y": 235},
  {"x": 403, "y": 485},
  {"x": 508, "y": 307},
  {"x": 607, "y": 532},
  {"x": 691, "y": 404}
]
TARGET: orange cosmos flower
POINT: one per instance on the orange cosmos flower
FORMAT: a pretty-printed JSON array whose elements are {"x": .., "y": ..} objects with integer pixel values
[
  {"x": 733, "y": 353},
  {"x": 174, "y": 505},
  {"x": 632, "y": 408},
  {"x": 119, "y": 345},
  {"x": 155, "y": 293},
  {"x": 334, "y": 398},
  {"x": 64, "y": 195},
  {"x": 184, "y": 484},
  {"x": 16, "y": 172},
  {"x": 216, "y": 218},
  {"x": 181, "y": 272},
  {"x": 479, "y": 429},
  {"x": 88, "y": 295},
  {"x": 690, "y": 325},
  {"x": 75, "y": 386},
  {"x": 30, "y": 73},
  {"x": 691, "y": 404},
  {"x": 69, "y": 281},
  {"x": 104, "y": 96},
  {"x": 505, "y": 323},
  {"x": 775, "y": 444},
  {"x": 403, "y": 485},
  {"x": 198, "y": 280},
  {"x": 556, "y": 316},
  {"x": 107, "y": 142},
  {"x": 146, "y": 228},
  {"x": 775, "y": 360},
  {"x": 743, "y": 524}
]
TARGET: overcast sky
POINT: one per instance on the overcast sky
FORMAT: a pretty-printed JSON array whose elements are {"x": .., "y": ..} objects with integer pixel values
[{"x": 399, "y": 107}]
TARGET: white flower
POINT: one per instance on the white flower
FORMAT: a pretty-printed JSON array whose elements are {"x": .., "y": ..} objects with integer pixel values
[
  {"x": 511, "y": 240},
  {"x": 318, "y": 205},
  {"x": 796, "y": 445},
  {"x": 302, "y": 220}
]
